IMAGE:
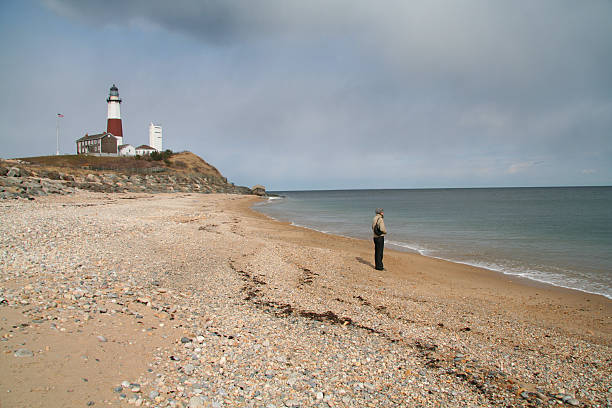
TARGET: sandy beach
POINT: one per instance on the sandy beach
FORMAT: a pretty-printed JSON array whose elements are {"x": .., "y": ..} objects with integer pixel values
[{"x": 196, "y": 300}]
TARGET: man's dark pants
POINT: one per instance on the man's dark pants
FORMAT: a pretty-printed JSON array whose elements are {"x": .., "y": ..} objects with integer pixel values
[{"x": 379, "y": 246}]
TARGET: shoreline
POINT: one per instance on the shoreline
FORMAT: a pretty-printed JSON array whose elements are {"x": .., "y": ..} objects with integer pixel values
[
  {"x": 198, "y": 300},
  {"x": 401, "y": 247},
  {"x": 523, "y": 286}
]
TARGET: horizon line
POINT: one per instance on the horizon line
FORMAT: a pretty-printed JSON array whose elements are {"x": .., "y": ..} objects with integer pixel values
[{"x": 441, "y": 188}]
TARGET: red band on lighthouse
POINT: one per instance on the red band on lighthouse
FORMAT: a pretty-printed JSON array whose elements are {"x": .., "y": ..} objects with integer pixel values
[{"x": 113, "y": 126}]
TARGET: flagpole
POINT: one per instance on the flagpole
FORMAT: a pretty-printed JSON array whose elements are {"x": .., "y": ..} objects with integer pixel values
[{"x": 57, "y": 136}]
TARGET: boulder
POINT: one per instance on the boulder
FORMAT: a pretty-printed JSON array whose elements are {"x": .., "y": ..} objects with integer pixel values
[
  {"x": 14, "y": 172},
  {"x": 258, "y": 190},
  {"x": 53, "y": 175}
]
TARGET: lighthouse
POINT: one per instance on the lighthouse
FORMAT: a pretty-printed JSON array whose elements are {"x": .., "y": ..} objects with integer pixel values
[{"x": 113, "y": 125}]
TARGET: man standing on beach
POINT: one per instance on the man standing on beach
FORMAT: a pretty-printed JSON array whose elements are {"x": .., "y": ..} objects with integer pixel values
[{"x": 378, "y": 227}]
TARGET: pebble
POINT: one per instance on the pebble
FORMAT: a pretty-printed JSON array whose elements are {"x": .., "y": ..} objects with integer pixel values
[
  {"x": 102, "y": 339},
  {"x": 22, "y": 352},
  {"x": 196, "y": 402}
]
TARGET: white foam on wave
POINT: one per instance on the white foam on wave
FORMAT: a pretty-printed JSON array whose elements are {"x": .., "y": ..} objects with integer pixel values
[
  {"x": 413, "y": 247},
  {"x": 312, "y": 228},
  {"x": 546, "y": 277},
  {"x": 270, "y": 200},
  {"x": 549, "y": 278}
]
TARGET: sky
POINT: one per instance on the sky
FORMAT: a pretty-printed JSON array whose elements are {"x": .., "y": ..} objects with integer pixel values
[{"x": 323, "y": 94}]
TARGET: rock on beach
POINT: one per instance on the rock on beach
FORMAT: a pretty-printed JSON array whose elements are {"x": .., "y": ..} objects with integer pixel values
[{"x": 22, "y": 352}]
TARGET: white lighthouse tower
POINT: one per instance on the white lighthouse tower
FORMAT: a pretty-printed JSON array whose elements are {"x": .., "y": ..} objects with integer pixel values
[{"x": 113, "y": 125}]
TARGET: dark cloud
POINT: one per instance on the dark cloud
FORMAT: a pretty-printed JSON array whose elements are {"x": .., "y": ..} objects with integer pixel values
[{"x": 216, "y": 21}]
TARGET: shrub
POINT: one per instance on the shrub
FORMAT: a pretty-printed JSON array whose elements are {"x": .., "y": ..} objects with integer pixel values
[
  {"x": 167, "y": 154},
  {"x": 158, "y": 156}
]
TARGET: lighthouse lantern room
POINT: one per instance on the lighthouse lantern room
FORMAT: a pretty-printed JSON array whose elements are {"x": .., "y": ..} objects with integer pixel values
[{"x": 113, "y": 125}]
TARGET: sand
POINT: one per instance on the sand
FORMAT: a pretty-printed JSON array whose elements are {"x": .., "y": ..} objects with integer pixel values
[{"x": 201, "y": 300}]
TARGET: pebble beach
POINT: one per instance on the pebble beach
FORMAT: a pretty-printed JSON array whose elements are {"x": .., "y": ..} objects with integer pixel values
[{"x": 195, "y": 300}]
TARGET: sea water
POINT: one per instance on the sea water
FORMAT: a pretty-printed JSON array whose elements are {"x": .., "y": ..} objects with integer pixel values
[{"x": 561, "y": 236}]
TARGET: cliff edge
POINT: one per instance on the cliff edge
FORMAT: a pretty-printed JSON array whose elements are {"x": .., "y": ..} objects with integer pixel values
[{"x": 183, "y": 172}]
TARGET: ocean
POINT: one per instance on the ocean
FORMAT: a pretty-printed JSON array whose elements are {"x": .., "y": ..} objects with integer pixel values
[{"x": 557, "y": 235}]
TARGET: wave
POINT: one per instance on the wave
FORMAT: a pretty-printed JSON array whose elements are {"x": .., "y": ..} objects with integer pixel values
[
  {"x": 413, "y": 247},
  {"x": 310, "y": 228},
  {"x": 549, "y": 278},
  {"x": 270, "y": 200}
]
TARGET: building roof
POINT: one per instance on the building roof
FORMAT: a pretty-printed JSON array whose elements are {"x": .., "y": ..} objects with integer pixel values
[
  {"x": 124, "y": 145},
  {"x": 145, "y": 147},
  {"x": 95, "y": 137}
]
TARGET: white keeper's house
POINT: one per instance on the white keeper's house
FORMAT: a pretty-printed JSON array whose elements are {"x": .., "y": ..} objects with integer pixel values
[
  {"x": 127, "y": 150},
  {"x": 144, "y": 150}
]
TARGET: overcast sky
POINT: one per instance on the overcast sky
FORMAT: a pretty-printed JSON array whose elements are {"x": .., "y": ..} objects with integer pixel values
[{"x": 324, "y": 94}]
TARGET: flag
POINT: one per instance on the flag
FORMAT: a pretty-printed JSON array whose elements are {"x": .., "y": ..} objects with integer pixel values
[{"x": 59, "y": 115}]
